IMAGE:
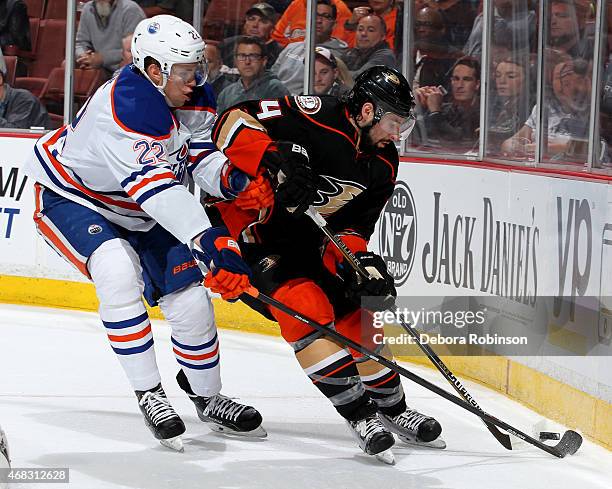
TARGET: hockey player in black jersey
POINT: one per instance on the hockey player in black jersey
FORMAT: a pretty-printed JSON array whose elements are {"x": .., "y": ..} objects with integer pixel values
[{"x": 338, "y": 156}]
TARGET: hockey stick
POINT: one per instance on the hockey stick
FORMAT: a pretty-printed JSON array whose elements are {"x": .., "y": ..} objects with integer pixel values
[
  {"x": 569, "y": 444},
  {"x": 319, "y": 220}
]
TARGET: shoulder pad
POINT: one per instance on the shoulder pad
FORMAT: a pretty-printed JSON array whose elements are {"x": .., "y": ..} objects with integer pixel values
[{"x": 139, "y": 107}]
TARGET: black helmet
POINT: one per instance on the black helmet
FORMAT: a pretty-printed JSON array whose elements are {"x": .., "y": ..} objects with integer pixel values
[{"x": 384, "y": 87}]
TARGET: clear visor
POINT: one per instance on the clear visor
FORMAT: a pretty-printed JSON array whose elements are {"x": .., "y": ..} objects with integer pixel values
[
  {"x": 188, "y": 73},
  {"x": 397, "y": 125}
]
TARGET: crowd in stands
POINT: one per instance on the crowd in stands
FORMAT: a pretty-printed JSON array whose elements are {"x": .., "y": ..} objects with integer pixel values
[{"x": 256, "y": 50}]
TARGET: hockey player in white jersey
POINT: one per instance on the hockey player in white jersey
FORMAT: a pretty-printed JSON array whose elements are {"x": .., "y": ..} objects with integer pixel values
[
  {"x": 5, "y": 459},
  {"x": 110, "y": 198}
]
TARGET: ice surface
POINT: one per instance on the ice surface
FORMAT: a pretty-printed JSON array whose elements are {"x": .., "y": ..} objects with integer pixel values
[{"x": 65, "y": 402}]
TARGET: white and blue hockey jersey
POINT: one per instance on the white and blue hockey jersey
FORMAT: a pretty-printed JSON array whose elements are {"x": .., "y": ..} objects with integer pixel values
[{"x": 126, "y": 155}]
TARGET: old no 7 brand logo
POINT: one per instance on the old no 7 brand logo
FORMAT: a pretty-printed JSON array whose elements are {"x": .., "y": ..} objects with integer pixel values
[{"x": 397, "y": 237}]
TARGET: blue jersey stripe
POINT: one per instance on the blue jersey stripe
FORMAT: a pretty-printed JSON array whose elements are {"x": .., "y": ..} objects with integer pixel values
[
  {"x": 150, "y": 193},
  {"x": 193, "y": 145},
  {"x": 145, "y": 169}
]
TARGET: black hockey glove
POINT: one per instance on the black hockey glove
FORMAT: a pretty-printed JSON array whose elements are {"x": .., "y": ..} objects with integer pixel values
[
  {"x": 297, "y": 182},
  {"x": 374, "y": 294}
]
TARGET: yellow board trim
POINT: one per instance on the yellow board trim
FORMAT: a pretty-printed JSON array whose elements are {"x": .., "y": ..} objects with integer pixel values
[{"x": 537, "y": 391}]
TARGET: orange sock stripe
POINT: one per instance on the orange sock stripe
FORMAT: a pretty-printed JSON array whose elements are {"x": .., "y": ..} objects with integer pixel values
[
  {"x": 130, "y": 337},
  {"x": 383, "y": 382},
  {"x": 334, "y": 371},
  {"x": 203, "y": 356}
]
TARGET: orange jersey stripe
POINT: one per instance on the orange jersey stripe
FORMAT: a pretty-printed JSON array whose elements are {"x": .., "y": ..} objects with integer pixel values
[
  {"x": 328, "y": 128},
  {"x": 48, "y": 233},
  {"x": 62, "y": 171},
  {"x": 146, "y": 181},
  {"x": 390, "y": 166}
]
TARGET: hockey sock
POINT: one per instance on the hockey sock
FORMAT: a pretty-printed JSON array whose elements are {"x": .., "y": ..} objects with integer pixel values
[
  {"x": 385, "y": 389},
  {"x": 129, "y": 331},
  {"x": 194, "y": 337},
  {"x": 332, "y": 370},
  {"x": 116, "y": 272}
]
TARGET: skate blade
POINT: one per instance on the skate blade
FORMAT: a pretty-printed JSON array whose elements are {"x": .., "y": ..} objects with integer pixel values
[
  {"x": 258, "y": 432},
  {"x": 438, "y": 443},
  {"x": 175, "y": 444},
  {"x": 386, "y": 457}
]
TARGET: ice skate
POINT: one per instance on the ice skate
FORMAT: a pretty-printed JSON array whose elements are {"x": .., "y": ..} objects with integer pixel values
[
  {"x": 224, "y": 415},
  {"x": 373, "y": 438},
  {"x": 415, "y": 428},
  {"x": 161, "y": 418}
]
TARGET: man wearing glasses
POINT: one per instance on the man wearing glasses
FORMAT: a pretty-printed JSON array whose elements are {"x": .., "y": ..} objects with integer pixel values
[
  {"x": 255, "y": 81},
  {"x": 289, "y": 66}
]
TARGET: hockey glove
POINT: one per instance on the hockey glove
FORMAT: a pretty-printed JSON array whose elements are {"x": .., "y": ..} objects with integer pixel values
[
  {"x": 228, "y": 273},
  {"x": 246, "y": 192},
  {"x": 298, "y": 183},
  {"x": 374, "y": 294},
  {"x": 332, "y": 256}
]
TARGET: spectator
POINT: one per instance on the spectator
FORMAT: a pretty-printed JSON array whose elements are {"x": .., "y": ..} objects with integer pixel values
[
  {"x": 327, "y": 77},
  {"x": 567, "y": 24},
  {"x": 289, "y": 66},
  {"x": 2, "y": 62},
  {"x": 371, "y": 48},
  {"x": 14, "y": 25},
  {"x": 178, "y": 8},
  {"x": 126, "y": 50},
  {"x": 291, "y": 27},
  {"x": 20, "y": 109},
  {"x": 514, "y": 22},
  {"x": 103, "y": 25},
  {"x": 566, "y": 113},
  {"x": 512, "y": 103},
  {"x": 434, "y": 56},
  {"x": 219, "y": 75},
  {"x": 458, "y": 16},
  {"x": 255, "y": 81},
  {"x": 126, "y": 53},
  {"x": 453, "y": 125},
  {"x": 259, "y": 22},
  {"x": 391, "y": 12}
]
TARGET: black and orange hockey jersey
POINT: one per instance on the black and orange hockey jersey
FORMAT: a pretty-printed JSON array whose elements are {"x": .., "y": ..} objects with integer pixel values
[{"x": 355, "y": 185}]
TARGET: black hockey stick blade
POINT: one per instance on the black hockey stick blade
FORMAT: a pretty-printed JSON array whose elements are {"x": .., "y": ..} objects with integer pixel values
[
  {"x": 502, "y": 438},
  {"x": 569, "y": 444}
]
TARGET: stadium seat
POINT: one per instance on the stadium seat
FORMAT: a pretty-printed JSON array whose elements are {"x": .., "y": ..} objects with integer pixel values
[
  {"x": 223, "y": 18},
  {"x": 85, "y": 84},
  {"x": 11, "y": 67},
  {"x": 14, "y": 51},
  {"x": 35, "y": 8},
  {"x": 56, "y": 9},
  {"x": 57, "y": 120},
  {"x": 49, "y": 53}
]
